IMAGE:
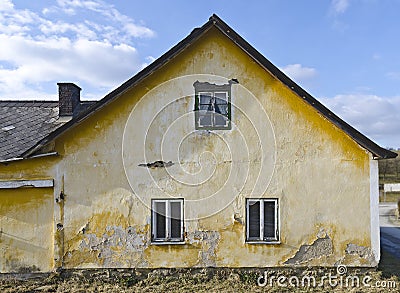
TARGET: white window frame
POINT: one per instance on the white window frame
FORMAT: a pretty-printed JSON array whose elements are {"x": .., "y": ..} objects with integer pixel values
[
  {"x": 261, "y": 239},
  {"x": 213, "y": 90},
  {"x": 167, "y": 239},
  {"x": 213, "y": 114}
]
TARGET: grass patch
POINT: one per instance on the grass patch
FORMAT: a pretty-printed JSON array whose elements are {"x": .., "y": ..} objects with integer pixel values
[{"x": 202, "y": 281}]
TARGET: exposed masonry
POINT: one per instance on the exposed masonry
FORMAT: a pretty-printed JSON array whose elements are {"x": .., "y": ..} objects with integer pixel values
[
  {"x": 209, "y": 242},
  {"x": 320, "y": 247},
  {"x": 157, "y": 164},
  {"x": 117, "y": 246},
  {"x": 361, "y": 251}
]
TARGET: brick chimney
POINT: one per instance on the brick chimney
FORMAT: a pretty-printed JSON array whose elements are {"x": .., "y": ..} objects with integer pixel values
[{"x": 69, "y": 98}]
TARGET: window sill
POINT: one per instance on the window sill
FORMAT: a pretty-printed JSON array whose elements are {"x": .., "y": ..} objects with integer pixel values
[
  {"x": 263, "y": 242},
  {"x": 167, "y": 242},
  {"x": 209, "y": 128}
]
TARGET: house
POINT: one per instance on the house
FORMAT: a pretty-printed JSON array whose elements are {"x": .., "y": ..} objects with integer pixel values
[
  {"x": 210, "y": 156},
  {"x": 391, "y": 187}
]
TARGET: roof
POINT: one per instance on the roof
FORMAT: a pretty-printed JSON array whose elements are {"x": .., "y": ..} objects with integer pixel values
[
  {"x": 24, "y": 123},
  {"x": 216, "y": 22}
]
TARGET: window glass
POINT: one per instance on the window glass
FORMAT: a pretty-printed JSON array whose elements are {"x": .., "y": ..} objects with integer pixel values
[
  {"x": 269, "y": 219},
  {"x": 220, "y": 120},
  {"x": 221, "y": 98},
  {"x": 254, "y": 219},
  {"x": 262, "y": 220},
  {"x": 160, "y": 220},
  {"x": 167, "y": 220},
  {"x": 206, "y": 119},
  {"x": 175, "y": 219},
  {"x": 205, "y": 98},
  {"x": 212, "y": 105}
]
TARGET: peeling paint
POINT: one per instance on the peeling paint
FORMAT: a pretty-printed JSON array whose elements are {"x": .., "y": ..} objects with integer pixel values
[
  {"x": 209, "y": 242},
  {"x": 362, "y": 251},
  {"x": 117, "y": 247},
  {"x": 157, "y": 164},
  {"x": 320, "y": 247}
]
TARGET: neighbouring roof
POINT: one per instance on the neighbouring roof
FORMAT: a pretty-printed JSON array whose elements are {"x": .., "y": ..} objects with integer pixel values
[
  {"x": 24, "y": 123},
  {"x": 216, "y": 22}
]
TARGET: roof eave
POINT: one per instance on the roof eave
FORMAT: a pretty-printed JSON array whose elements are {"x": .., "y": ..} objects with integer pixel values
[{"x": 16, "y": 159}]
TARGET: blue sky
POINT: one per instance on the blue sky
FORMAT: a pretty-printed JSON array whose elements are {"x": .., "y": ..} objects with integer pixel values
[{"x": 343, "y": 52}]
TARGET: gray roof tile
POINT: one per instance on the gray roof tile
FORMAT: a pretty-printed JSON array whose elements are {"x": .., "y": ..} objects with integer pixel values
[{"x": 24, "y": 123}]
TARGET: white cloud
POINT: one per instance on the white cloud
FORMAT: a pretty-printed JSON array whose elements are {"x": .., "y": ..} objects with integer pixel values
[
  {"x": 6, "y": 5},
  {"x": 376, "y": 117},
  {"x": 340, "y": 6},
  {"x": 138, "y": 31},
  {"x": 393, "y": 75},
  {"x": 126, "y": 24},
  {"x": 376, "y": 56},
  {"x": 36, "y": 49},
  {"x": 298, "y": 72},
  {"x": 80, "y": 30},
  {"x": 96, "y": 62}
]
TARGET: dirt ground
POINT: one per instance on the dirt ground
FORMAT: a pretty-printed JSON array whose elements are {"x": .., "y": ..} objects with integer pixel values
[{"x": 216, "y": 280}]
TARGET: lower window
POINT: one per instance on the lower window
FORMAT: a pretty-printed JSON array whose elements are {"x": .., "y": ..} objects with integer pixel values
[
  {"x": 262, "y": 220},
  {"x": 167, "y": 220}
]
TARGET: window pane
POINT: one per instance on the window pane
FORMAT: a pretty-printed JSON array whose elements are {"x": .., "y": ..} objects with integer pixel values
[
  {"x": 176, "y": 220},
  {"x": 254, "y": 219},
  {"x": 222, "y": 109},
  {"x": 220, "y": 120},
  {"x": 205, "y": 98},
  {"x": 212, "y": 98},
  {"x": 221, "y": 98},
  {"x": 205, "y": 120},
  {"x": 160, "y": 213},
  {"x": 269, "y": 219}
]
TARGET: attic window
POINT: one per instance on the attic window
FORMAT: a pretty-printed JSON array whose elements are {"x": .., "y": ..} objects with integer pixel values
[
  {"x": 167, "y": 221},
  {"x": 262, "y": 220},
  {"x": 213, "y": 105}
]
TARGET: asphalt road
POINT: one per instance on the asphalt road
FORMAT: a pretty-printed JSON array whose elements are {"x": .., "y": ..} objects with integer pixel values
[{"x": 390, "y": 232}]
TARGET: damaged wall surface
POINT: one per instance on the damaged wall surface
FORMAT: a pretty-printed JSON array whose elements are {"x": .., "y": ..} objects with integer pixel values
[
  {"x": 26, "y": 230},
  {"x": 145, "y": 146}
]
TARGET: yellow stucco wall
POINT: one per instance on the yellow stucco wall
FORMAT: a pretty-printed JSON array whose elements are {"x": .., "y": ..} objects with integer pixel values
[
  {"x": 26, "y": 230},
  {"x": 279, "y": 147}
]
